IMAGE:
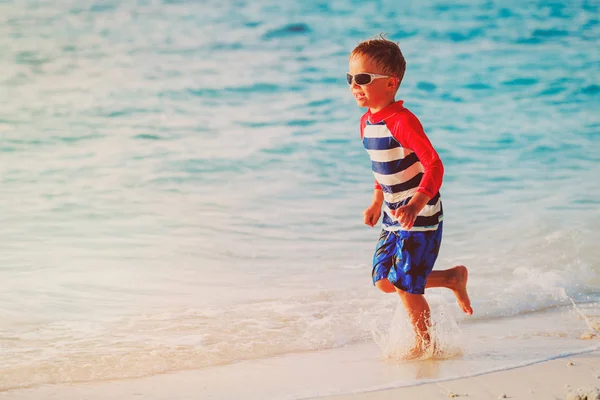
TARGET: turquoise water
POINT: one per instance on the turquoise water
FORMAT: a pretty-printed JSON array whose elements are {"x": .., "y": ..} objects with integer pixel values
[{"x": 182, "y": 182}]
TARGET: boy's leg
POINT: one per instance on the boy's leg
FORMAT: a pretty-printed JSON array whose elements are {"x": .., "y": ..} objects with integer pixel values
[
  {"x": 419, "y": 314},
  {"x": 385, "y": 286},
  {"x": 454, "y": 279},
  {"x": 415, "y": 255}
]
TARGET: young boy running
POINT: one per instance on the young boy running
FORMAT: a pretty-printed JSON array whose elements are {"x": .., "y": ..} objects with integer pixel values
[{"x": 408, "y": 175}]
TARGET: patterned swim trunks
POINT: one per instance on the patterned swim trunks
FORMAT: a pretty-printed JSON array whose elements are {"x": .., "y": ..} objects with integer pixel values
[{"x": 406, "y": 258}]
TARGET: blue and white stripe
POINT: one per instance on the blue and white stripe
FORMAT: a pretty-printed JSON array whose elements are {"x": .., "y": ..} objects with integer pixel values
[{"x": 399, "y": 172}]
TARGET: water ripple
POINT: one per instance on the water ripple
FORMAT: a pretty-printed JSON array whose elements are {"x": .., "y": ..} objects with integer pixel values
[{"x": 288, "y": 30}]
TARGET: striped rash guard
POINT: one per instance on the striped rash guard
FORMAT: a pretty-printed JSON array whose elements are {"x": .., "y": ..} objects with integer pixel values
[{"x": 404, "y": 162}]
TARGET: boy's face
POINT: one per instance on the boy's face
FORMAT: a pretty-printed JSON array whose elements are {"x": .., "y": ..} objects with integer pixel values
[{"x": 377, "y": 94}]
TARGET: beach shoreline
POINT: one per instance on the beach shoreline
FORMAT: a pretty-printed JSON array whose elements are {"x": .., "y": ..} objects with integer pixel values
[
  {"x": 557, "y": 378},
  {"x": 563, "y": 377}
]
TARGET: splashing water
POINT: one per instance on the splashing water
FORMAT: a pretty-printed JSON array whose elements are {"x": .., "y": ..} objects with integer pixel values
[
  {"x": 593, "y": 325},
  {"x": 397, "y": 339}
]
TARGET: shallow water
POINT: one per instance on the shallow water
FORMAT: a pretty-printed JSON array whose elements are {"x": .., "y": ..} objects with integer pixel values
[{"x": 182, "y": 182}]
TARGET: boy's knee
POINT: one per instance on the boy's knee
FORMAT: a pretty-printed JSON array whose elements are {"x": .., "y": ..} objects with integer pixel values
[
  {"x": 407, "y": 295},
  {"x": 385, "y": 286}
]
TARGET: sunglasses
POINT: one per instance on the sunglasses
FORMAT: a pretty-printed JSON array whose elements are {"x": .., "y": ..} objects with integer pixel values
[{"x": 363, "y": 78}]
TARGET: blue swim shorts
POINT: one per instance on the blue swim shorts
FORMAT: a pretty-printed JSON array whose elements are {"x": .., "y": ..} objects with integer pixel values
[{"x": 406, "y": 258}]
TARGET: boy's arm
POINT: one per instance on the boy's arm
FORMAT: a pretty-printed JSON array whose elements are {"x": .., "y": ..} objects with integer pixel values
[
  {"x": 409, "y": 132},
  {"x": 373, "y": 212},
  {"x": 377, "y": 197}
]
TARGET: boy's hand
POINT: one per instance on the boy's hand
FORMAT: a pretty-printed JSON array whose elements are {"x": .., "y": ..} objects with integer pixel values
[
  {"x": 406, "y": 215},
  {"x": 372, "y": 214}
]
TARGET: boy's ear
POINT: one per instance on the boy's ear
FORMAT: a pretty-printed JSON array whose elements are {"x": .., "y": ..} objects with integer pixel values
[{"x": 392, "y": 83}]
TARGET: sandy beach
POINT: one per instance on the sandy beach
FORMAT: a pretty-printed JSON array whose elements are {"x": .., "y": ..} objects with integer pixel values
[
  {"x": 572, "y": 377},
  {"x": 559, "y": 378}
]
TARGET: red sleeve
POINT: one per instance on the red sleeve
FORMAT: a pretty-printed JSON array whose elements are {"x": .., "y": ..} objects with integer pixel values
[
  {"x": 409, "y": 132},
  {"x": 363, "y": 123}
]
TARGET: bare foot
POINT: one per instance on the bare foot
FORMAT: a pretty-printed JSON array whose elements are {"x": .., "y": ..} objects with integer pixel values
[
  {"x": 421, "y": 348},
  {"x": 417, "y": 351},
  {"x": 460, "y": 288}
]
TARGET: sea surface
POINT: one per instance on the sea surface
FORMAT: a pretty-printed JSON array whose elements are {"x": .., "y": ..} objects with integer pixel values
[{"x": 182, "y": 186}]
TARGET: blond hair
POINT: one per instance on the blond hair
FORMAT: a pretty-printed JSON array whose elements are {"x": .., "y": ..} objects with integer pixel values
[{"x": 386, "y": 55}]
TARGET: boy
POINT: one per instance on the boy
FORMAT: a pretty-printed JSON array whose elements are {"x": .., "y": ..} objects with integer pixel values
[{"x": 408, "y": 175}]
